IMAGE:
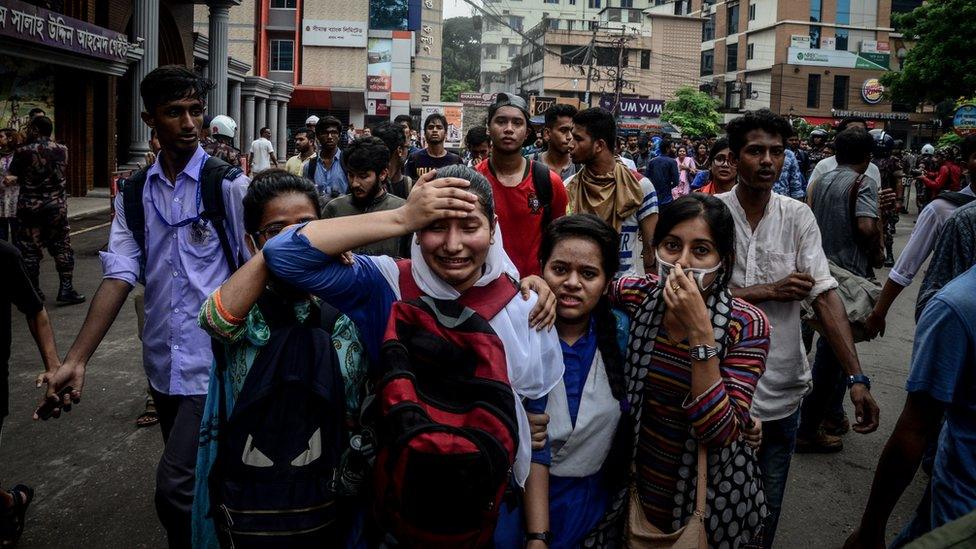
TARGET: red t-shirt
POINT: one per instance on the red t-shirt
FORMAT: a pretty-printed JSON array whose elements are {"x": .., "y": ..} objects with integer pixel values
[{"x": 520, "y": 216}]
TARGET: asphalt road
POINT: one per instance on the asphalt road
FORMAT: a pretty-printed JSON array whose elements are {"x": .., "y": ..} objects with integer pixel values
[{"x": 94, "y": 471}]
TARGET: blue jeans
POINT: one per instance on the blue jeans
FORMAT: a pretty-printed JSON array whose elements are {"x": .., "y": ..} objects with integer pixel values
[
  {"x": 826, "y": 400},
  {"x": 775, "y": 454}
]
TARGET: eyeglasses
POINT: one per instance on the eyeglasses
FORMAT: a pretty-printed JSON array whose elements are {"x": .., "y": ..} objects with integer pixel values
[
  {"x": 270, "y": 231},
  {"x": 722, "y": 159}
]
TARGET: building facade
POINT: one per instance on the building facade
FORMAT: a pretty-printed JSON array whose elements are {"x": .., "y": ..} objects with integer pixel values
[
  {"x": 816, "y": 59},
  {"x": 361, "y": 61}
]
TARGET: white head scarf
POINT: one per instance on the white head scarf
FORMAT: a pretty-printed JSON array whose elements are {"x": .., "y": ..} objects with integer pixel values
[{"x": 535, "y": 360}]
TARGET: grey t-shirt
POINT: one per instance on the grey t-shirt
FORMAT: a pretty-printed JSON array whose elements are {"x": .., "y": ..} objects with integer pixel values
[
  {"x": 343, "y": 206},
  {"x": 831, "y": 206}
]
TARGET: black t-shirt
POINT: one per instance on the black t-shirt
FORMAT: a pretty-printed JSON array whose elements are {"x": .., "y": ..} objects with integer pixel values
[
  {"x": 422, "y": 162},
  {"x": 17, "y": 290}
]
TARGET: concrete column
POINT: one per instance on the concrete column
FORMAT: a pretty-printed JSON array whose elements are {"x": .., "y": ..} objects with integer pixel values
[
  {"x": 246, "y": 135},
  {"x": 282, "y": 146},
  {"x": 145, "y": 17},
  {"x": 273, "y": 123},
  {"x": 217, "y": 56},
  {"x": 234, "y": 103},
  {"x": 260, "y": 115}
]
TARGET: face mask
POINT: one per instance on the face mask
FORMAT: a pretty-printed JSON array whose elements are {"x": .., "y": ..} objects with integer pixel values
[{"x": 664, "y": 269}]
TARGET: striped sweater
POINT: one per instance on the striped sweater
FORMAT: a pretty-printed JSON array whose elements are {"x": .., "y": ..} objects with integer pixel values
[{"x": 671, "y": 415}]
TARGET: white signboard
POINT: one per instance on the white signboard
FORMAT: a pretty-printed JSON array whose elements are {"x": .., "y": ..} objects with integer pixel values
[
  {"x": 831, "y": 58},
  {"x": 336, "y": 34},
  {"x": 829, "y": 43},
  {"x": 800, "y": 41}
]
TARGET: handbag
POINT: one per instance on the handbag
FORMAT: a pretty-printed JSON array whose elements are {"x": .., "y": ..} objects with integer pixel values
[
  {"x": 859, "y": 296},
  {"x": 641, "y": 534}
]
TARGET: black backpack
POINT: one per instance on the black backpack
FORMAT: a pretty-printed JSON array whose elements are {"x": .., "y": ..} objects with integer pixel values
[
  {"x": 543, "y": 190},
  {"x": 212, "y": 177},
  {"x": 956, "y": 198},
  {"x": 280, "y": 450}
]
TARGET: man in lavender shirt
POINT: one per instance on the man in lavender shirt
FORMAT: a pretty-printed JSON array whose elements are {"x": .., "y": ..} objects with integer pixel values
[{"x": 185, "y": 264}]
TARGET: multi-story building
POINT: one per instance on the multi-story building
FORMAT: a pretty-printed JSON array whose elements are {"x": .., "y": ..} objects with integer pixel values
[
  {"x": 657, "y": 54},
  {"x": 816, "y": 59},
  {"x": 361, "y": 61}
]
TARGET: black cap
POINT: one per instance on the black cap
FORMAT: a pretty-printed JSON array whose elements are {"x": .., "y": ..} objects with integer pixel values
[{"x": 509, "y": 100}]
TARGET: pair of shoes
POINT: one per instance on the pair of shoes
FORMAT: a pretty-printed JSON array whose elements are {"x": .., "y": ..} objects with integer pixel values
[
  {"x": 836, "y": 427},
  {"x": 821, "y": 443}
]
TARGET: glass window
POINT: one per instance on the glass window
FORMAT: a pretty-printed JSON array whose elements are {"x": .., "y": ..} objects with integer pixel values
[
  {"x": 707, "y": 62},
  {"x": 843, "y": 39},
  {"x": 491, "y": 51},
  {"x": 813, "y": 91},
  {"x": 816, "y": 11},
  {"x": 731, "y": 97},
  {"x": 572, "y": 55},
  {"x": 513, "y": 51},
  {"x": 708, "y": 29},
  {"x": 283, "y": 4},
  {"x": 843, "y": 12},
  {"x": 282, "y": 55},
  {"x": 554, "y": 24},
  {"x": 752, "y": 12},
  {"x": 750, "y": 51},
  {"x": 732, "y": 57},
  {"x": 635, "y": 16},
  {"x": 626, "y": 3},
  {"x": 841, "y": 88},
  {"x": 614, "y": 16},
  {"x": 515, "y": 22},
  {"x": 815, "y": 37},
  {"x": 645, "y": 59},
  {"x": 594, "y": 4},
  {"x": 732, "y": 19},
  {"x": 551, "y": 1}
]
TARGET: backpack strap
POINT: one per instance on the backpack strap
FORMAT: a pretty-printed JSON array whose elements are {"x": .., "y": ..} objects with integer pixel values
[
  {"x": 542, "y": 182},
  {"x": 959, "y": 199},
  {"x": 852, "y": 200},
  {"x": 408, "y": 286},
  {"x": 132, "y": 188},
  {"x": 212, "y": 177}
]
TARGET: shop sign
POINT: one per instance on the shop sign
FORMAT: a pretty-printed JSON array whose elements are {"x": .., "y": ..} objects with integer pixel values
[
  {"x": 377, "y": 107},
  {"x": 335, "y": 34},
  {"x": 633, "y": 106},
  {"x": 40, "y": 26},
  {"x": 476, "y": 99},
  {"x": 838, "y": 58},
  {"x": 873, "y": 46},
  {"x": 828, "y": 43},
  {"x": 869, "y": 115},
  {"x": 964, "y": 121},
  {"x": 379, "y": 65},
  {"x": 539, "y": 105},
  {"x": 800, "y": 41},
  {"x": 872, "y": 91}
]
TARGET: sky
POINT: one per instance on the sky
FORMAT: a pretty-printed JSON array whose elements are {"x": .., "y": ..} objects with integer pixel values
[{"x": 456, "y": 8}]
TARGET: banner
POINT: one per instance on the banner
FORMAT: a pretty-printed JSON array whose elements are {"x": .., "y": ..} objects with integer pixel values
[
  {"x": 336, "y": 34},
  {"x": 539, "y": 105},
  {"x": 476, "y": 99},
  {"x": 838, "y": 58},
  {"x": 40, "y": 26},
  {"x": 634, "y": 107},
  {"x": 964, "y": 121},
  {"x": 379, "y": 65},
  {"x": 455, "y": 121}
]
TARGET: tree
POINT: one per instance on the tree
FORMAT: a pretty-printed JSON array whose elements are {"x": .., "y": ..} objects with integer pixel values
[
  {"x": 941, "y": 66},
  {"x": 694, "y": 112},
  {"x": 460, "y": 57}
]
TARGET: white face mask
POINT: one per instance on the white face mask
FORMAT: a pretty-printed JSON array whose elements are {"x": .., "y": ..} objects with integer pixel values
[{"x": 664, "y": 269}]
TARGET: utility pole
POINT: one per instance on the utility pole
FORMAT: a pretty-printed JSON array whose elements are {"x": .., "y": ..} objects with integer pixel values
[
  {"x": 588, "y": 61},
  {"x": 619, "y": 83}
]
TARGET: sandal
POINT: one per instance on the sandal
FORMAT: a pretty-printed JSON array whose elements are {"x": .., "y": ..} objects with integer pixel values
[
  {"x": 149, "y": 417},
  {"x": 12, "y": 518}
]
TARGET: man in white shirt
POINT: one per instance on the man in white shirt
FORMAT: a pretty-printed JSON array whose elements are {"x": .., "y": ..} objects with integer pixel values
[
  {"x": 928, "y": 226},
  {"x": 780, "y": 263},
  {"x": 262, "y": 154},
  {"x": 829, "y": 164}
]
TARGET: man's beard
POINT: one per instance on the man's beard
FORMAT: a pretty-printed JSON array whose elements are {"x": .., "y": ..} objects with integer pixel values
[{"x": 369, "y": 198}]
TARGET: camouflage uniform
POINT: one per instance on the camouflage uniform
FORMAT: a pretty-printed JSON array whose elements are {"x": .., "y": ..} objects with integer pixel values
[
  {"x": 227, "y": 153},
  {"x": 889, "y": 167},
  {"x": 42, "y": 210}
]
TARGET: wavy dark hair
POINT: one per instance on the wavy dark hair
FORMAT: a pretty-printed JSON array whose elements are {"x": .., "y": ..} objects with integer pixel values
[
  {"x": 172, "y": 83},
  {"x": 716, "y": 215},
  {"x": 590, "y": 227},
  {"x": 268, "y": 185}
]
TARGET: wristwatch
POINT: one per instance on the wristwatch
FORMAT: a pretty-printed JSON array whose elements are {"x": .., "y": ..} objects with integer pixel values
[
  {"x": 701, "y": 353},
  {"x": 859, "y": 378},
  {"x": 544, "y": 537}
]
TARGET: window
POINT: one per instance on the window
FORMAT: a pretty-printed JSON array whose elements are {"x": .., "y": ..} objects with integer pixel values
[
  {"x": 841, "y": 87},
  {"x": 614, "y": 16},
  {"x": 843, "y": 12},
  {"x": 813, "y": 91},
  {"x": 551, "y": 1},
  {"x": 554, "y": 24},
  {"x": 816, "y": 11},
  {"x": 607, "y": 57},
  {"x": 283, "y": 4},
  {"x": 634, "y": 17},
  {"x": 749, "y": 90},
  {"x": 594, "y": 4},
  {"x": 732, "y": 19},
  {"x": 750, "y": 51},
  {"x": 645, "y": 59},
  {"x": 626, "y": 3},
  {"x": 731, "y": 57},
  {"x": 708, "y": 29},
  {"x": 572, "y": 55},
  {"x": 731, "y": 96},
  {"x": 815, "y": 37},
  {"x": 515, "y": 22},
  {"x": 843, "y": 39},
  {"x": 490, "y": 25},
  {"x": 283, "y": 55},
  {"x": 513, "y": 51},
  {"x": 707, "y": 62},
  {"x": 752, "y": 12},
  {"x": 491, "y": 51}
]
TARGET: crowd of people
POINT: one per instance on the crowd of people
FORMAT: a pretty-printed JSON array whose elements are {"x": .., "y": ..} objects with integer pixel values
[{"x": 599, "y": 344}]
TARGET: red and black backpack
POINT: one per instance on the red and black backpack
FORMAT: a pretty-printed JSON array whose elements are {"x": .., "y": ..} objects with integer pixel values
[{"x": 444, "y": 418}]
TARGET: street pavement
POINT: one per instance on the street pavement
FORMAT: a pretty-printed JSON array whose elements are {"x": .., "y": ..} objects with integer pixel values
[{"x": 94, "y": 471}]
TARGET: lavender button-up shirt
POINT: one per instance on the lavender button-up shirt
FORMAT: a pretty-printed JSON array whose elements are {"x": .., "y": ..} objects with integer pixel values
[{"x": 184, "y": 265}]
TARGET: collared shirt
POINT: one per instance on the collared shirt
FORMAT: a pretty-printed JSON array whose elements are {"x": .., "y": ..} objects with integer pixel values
[
  {"x": 829, "y": 164},
  {"x": 330, "y": 181},
  {"x": 564, "y": 174},
  {"x": 295, "y": 165},
  {"x": 791, "y": 182},
  {"x": 954, "y": 254},
  {"x": 184, "y": 266},
  {"x": 786, "y": 240}
]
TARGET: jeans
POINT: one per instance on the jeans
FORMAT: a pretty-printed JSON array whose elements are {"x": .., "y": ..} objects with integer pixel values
[
  {"x": 775, "y": 454},
  {"x": 826, "y": 400},
  {"x": 179, "y": 418}
]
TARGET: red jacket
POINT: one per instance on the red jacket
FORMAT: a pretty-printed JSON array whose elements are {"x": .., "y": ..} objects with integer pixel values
[{"x": 949, "y": 178}]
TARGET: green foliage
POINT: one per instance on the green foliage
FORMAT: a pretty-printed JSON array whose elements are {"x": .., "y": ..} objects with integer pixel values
[
  {"x": 941, "y": 66},
  {"x": 694, "y": 112},
  {"x": 949, "y": 138},
  {"x": 461, "y": 57},
  {"x": 802, "y": 128}
]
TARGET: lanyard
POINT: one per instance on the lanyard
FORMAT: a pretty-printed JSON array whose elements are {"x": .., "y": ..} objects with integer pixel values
[{"x": 178, "y": 224}]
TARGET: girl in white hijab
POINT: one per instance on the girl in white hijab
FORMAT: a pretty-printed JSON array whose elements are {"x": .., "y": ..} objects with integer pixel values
[{"x": 457, "y": 246}]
